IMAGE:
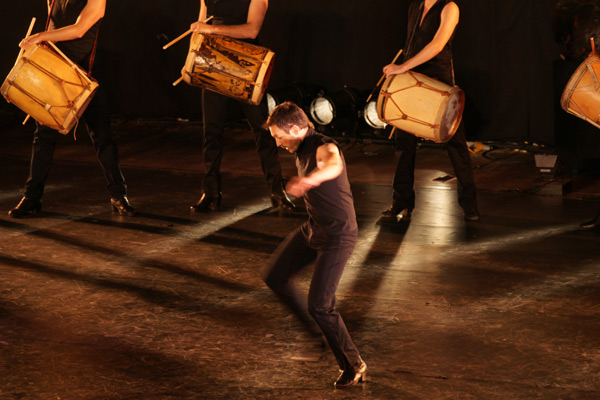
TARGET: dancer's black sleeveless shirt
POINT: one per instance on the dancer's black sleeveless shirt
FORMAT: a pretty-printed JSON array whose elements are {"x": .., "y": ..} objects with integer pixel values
[
  {"x": 229, "y": 12},
  {"x": 330, "y": 206},
  {"x": 64, "y": 13},
  {"x": 439, "y": 67}
]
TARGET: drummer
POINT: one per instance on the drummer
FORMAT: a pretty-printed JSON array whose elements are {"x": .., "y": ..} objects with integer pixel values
[
  {"x": 428, "y": 50},
  {"x": 239, "y": 19},
  {"x": 74, "y": 26}
]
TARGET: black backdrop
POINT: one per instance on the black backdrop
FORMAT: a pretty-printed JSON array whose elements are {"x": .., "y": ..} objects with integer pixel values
[{"x": 506, "y": 59}]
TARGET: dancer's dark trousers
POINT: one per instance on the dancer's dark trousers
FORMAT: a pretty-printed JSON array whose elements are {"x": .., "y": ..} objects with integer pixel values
[
  {"x": 214, "y": 110},
  {"x": 299, "y": 249},
  {"x": 404, "y": 178},
  {"x": 96, "y": 116}
]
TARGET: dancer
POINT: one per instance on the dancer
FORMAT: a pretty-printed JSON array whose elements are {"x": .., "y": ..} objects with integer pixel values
[{"x": 328, "y": 238}]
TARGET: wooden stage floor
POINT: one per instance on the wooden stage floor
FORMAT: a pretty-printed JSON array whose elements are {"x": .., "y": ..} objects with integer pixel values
[{"x": 171, "y": 305}]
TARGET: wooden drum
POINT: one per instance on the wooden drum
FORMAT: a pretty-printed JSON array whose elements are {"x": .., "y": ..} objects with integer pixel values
[
  {"x": 422, "y": 106},
  {"x": 49, "y": 87},
  {"x": 581, "y": 96},
  {"x": 228, "y": 66}
]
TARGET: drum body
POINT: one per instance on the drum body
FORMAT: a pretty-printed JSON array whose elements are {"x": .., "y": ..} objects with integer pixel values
[
  {"x": 421, "y": 105},
  {"x": 228, "y": 66},
  {"x": 49, "y": 87},
  {"x": 581, "y": 96}
]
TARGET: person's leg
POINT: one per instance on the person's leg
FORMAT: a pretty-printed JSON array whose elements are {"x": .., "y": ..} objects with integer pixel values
[
  {"x": 42, "y": 153},
  {"x": 403, "y": 197},
  {"x": 290, "y": 257},
  {"x": 268, "y": 153},
  {"x": 329, "y": 266},
  {"x": 461, "y": 161},
  {"x": 97, "y": 119},
  {"x": 214, "y": 114}
]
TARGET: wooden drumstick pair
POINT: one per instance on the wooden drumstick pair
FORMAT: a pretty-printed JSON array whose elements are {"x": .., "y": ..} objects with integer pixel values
[
  {"x": 379, "y": 84},
  {"x": 177, "y": 39},
  {"x": 382, "y": 77}
]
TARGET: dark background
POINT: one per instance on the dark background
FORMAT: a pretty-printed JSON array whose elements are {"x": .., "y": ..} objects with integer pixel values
[{"x": 507, "y": 59}]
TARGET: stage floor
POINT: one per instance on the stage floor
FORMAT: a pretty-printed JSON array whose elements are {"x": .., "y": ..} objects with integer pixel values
[{"x": 171, "y": 305}]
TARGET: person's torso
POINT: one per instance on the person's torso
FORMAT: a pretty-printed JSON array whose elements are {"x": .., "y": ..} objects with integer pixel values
[
  {"x": 419, "y": 35},
  {"x": 65, "y": 13},
  {"x": 330, "y": 206},
  {"x": 229, "y": 12}
]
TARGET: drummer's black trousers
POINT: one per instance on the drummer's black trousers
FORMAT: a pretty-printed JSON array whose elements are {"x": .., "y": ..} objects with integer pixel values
[
  {"x": 214, "y": 109},
  {"x": 404, "y": 178},
  {"x": 44, "y": 142}
]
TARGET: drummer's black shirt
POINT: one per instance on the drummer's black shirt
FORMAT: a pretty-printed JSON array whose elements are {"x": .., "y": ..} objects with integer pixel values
[
  {"x": 418, "y": 37},
  {"x": 229, "y": 12},
  {"x": 330, "y": 206},
  {"x": 65, "y": 13}
]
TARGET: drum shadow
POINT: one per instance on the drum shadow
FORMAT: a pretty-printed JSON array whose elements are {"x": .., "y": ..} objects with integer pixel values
[
  {"x": 126, "y": 258},
  {"x": 244, "y": 240}
]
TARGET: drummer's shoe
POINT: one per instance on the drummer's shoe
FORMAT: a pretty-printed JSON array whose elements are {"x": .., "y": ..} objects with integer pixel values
[
  {"x": 591, "y": 225},
  {"x": 471, "y": 214},
  {"x": 25, "y": 207},
  {"x": 122, "y": 206},
  {"x": 281, "y": 200},
  {"x": 207, "y": 203},
  {"x": 353, "y": 375},
  {"x": 397, "y": 214}
]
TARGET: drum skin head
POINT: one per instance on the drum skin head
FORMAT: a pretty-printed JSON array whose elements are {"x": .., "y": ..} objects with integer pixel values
[
  {"x": 581, "y": 96},
  {"x": 49, "y": 87},
  {"x": 420, "y": 105},
  {"x": 229, "y": 67}
]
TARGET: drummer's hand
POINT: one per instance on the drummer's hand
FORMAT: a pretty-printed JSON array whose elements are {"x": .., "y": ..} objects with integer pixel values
[
  {"x": 200, "y": 27},
  {"x": 30, "y": 41},
  {"x": 393, "y": 69}
]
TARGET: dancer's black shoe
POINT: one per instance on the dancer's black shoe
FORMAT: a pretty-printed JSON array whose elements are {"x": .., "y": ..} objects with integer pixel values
[
  {"x": 352, "y": 375},
  {"x": 122, "y": 206}
]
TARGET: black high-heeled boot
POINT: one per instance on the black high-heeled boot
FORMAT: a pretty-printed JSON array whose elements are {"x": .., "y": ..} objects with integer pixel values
[
  {"x": 25, "y": 207},
  {"x": 207, "y": 203},
  {"x": 281, "y": 199},
  {"x": 122, "y": 206},
  {"x": 591, "y": 225},
  {"x": 396, "y": 213}
]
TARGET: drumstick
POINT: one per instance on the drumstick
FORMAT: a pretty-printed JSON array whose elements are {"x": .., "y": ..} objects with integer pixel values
[
  {"x": 593, "y": 45},
  {"x": 178, "y": 81},
  {"x": 177, "y": 39},
  {"x": 383, "y": 77},
  {"x": 21, "y": 53},
  {"x": 392, "y": 133}
]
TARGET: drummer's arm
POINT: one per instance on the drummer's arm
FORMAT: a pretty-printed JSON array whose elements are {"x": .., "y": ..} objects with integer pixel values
[
  {"x": 449, "y": 19},
  {"x": 249, "y": 30},
  {"x": 91, "y": 13},
  {"x": 202, "y": 15}
]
